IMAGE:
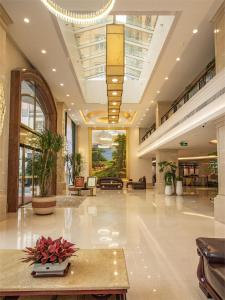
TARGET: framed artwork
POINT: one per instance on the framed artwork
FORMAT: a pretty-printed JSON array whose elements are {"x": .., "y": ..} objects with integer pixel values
[
  {"x": 91, "y": 181},
  {"x": 79, "y": 182},
  {"x": 108, "y": 152}
]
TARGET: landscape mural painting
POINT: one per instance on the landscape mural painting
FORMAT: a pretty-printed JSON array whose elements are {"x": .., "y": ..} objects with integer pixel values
[{"x": 109, "y": 153}]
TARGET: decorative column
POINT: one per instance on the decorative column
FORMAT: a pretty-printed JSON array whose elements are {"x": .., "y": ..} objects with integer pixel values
[
  {"x": 161, "y": 109},
  {"x": 4, "y": 114},
  {"x": 219, "y": 37},
  {"x": 61, "y": 182},
  {"x": 164, "y": 155},
  {"x": 219, "y": 201}
]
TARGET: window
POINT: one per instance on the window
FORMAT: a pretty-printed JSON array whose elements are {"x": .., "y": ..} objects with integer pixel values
[{"x": 32, "y": 114}]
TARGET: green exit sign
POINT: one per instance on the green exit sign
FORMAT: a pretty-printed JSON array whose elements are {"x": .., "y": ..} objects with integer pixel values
[{"x": 184, "y": 144}]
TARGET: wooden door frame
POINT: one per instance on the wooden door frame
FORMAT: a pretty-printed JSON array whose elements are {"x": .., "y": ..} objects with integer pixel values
[{"x": 47, "y": 103}]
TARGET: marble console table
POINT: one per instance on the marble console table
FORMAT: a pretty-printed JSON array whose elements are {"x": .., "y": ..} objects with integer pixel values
[{"x": 92, "y": 272}]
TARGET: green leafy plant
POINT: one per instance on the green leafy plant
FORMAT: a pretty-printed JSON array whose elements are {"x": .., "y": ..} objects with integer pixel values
[
  {"x": 74, "y": 164},
  {"x": 169, "y": 168},
  {"x": 44, "y": 164},
  {"x": 179, "y": 178}
]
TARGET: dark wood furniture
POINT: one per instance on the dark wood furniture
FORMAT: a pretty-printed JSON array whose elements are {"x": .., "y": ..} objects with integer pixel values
[
  {"x": 92, "y": 272},
  {"x": 138, "y": 185},
  {"x": 211, "y": 268},
  {"x": 110, "y": 183}
]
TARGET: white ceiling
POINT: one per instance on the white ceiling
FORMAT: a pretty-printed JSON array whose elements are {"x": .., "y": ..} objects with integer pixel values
[{"x": 43, "y": 32}]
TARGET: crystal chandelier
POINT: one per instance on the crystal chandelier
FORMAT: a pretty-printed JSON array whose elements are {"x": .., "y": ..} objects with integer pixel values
[{"x": 78, "y": 18}]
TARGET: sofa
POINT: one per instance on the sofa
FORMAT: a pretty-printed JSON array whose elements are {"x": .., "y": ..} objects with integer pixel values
[
  {"x": 211, "y": 268},
  {"x": 138, "y": 185},
  {"x": 110, "y": 183}
]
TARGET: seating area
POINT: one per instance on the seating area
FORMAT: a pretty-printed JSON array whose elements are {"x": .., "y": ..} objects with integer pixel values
[
  {"x": 211, "y": 268},
  {"x": 110, "y": 183}
]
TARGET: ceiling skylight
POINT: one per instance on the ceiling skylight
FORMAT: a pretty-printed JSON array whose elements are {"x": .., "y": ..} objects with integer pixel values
[{"x": 86, "y": 44}]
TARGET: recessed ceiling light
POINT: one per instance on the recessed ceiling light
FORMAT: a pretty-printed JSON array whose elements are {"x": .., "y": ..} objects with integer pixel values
[
  {"x": 178, "y": 59},
  {"x": 114, "y": 103},
  {"x": 166, "y": 78},
  {"x": 72, "y": 103},
  {"x": 113, "y": 122},
  {"x": 113, "y": 110},
  {"x": 113, "y": 117},
  {"x": 114, "y": 80},
  {"x": 69, "y": 109},
  {"x": 147, "y": 108},
  {"x": 213, "y": 142},
  {"x": 158, "y": 92},
  {"x": 67, "y": 95},
  {"x": 195, "y": 31},
  {"x": 43, "y": 51},
  {"x": 152, "y": 101},
  {"x": 61, "y": 84},
  {"x": 114, "y": 93},
  {"x": 53, "y": 70},
  {"x": 26, "y": 20}
]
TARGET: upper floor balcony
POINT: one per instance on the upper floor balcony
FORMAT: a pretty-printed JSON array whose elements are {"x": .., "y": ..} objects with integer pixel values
[
  {"x": 203, "y": 101},
  {"x": 197, "y": 84}
]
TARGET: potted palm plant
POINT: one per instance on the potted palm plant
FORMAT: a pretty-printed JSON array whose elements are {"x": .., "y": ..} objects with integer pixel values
[
  {"x": 74, "y": 163},
  {"x": 44, "y": 166},
  {"x": 169, "y": 168}
]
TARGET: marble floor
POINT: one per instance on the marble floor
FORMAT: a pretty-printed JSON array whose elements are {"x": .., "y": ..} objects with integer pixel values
[{"x": 157, "y": 232}]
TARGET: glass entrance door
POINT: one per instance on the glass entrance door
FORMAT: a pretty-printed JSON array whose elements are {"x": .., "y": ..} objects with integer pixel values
[{"x": 26, "y": 181}]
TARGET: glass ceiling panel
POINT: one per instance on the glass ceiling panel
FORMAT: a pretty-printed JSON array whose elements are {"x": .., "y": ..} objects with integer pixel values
[{"x": 90, "y": 40}]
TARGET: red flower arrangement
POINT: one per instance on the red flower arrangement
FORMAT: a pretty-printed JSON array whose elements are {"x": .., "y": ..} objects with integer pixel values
[{"x": 48, "y": 250}]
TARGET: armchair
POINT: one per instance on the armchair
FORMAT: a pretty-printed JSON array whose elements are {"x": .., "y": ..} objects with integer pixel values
[{"x": 211, "y": 268}]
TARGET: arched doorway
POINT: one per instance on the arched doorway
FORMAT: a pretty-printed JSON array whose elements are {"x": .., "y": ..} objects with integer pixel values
[{"x": 32, "y": 109}]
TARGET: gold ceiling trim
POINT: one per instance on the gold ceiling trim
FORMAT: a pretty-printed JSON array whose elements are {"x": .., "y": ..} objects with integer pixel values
[{"x": 78, "y": 18}]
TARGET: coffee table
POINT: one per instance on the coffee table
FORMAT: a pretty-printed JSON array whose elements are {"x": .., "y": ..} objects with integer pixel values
[{"x": 92, "y": 272}]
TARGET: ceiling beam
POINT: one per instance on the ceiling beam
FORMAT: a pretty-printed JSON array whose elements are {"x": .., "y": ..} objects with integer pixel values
[
  {"x": 93, "y": 56},
  {"x": 94, "y": 67},
  {"x": 135, "y": 27}
]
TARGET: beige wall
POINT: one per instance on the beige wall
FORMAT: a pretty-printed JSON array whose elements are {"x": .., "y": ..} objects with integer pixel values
[
  {"x": 161, "y": 109},
  {"x": 137, "y": 167},
  {"x": 10, "y": 58},
  {"x": 83, "y": 148},
  {"x": 61, "y": 183},
  {"x": 219, "y": 29}
]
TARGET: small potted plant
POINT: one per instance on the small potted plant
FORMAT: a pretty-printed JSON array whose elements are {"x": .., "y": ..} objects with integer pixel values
[
  {"x": 50, "y": 257},
  {"x": 169, "y": 168},
  {"x": 179, "y": 185},
  {"x": 44, "y": 166}
]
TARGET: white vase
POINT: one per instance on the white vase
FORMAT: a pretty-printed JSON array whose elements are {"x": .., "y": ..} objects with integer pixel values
[
  {"x": 168, "y": 190},
  {"x": 179, "y": 188}
]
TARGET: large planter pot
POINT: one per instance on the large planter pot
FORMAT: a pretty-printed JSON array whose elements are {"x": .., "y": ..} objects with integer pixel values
[
  {"x": 179, "y": 188},
  {"x": 44, "y": 205},
  {"x": 168, "y": 190}
]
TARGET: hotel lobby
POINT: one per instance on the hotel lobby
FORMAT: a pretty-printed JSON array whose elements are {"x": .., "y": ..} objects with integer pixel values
[{"x": 112, "y": 146}]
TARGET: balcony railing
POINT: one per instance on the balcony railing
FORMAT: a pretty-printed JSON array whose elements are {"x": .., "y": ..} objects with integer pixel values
[
  {"x": 192, "y": 89},
  {"x": 149, "y": 132}
]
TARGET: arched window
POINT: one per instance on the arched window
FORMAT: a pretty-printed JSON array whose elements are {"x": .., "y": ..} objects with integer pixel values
[
  {"x": 32, "y": 114},
  {"x": 32, "y": 109}
]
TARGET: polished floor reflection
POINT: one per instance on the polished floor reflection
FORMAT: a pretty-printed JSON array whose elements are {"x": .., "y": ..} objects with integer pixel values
[{"x": 158, "y": 234}]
